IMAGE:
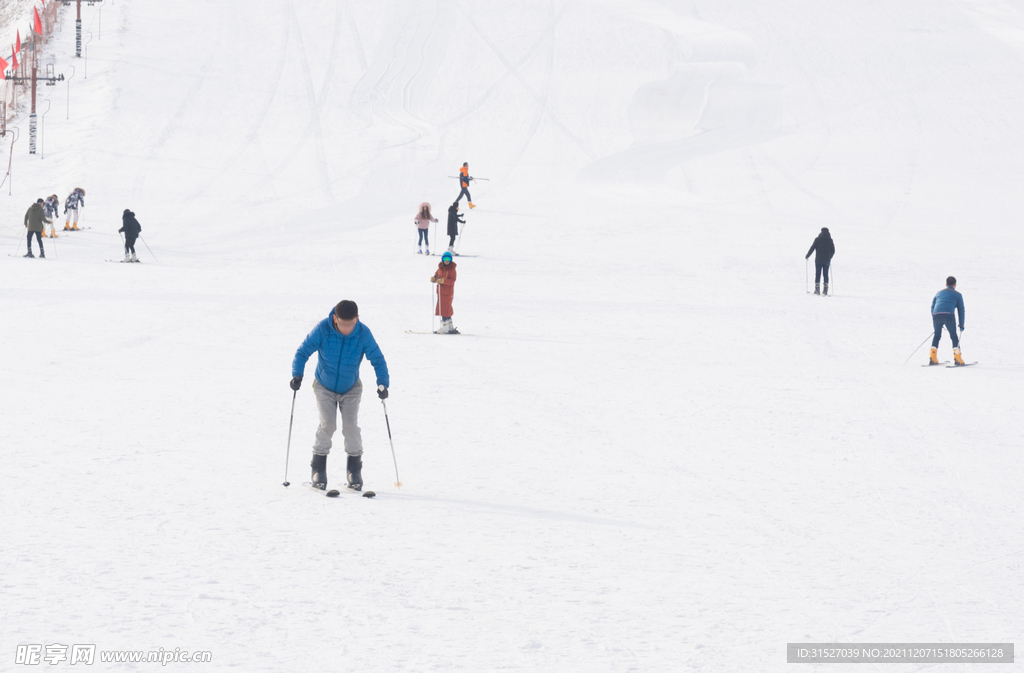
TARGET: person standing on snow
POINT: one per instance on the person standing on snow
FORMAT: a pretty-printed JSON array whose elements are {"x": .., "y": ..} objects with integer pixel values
[
  {"x": 823, "y": 249},
  {"x": 423, "y": 219},
  {"x": 131, "y": 229},
  {"x": 945, "y": 302},
  {"x": 52, "y": 208},
  {"x": 340, "y": 341},
  {"x": 75, "y": 200},
  {"x": 454, "y": 219},
  {"x": 445, "y": 280},
  {"x": 35, "y": 222},
  {"x": 464, "y": 181}
]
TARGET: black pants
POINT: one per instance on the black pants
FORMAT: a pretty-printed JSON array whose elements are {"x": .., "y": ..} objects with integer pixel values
[
  {"x": 819, "y": 266},
  {"x": 451, "y": 240},
  {"x": 39, "y": 237},
  {"x": 129, "y": 244},
  {"x": 465, "y": 190},
  {"x": 940, "y": 319},
  {"x": 424, "y": 236}
]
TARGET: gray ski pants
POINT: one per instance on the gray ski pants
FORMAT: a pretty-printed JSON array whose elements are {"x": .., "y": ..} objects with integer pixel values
[{"x": 328, "y": 404}]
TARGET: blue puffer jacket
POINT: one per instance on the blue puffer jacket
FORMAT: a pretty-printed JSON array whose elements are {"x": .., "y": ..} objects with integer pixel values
[
  {"x": 339, "y": 356},
  {"x": 947, "y": 300}
]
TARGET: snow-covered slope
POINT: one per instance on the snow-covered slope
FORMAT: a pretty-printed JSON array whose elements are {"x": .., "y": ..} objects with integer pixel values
[{"x": 652, "y": 451}]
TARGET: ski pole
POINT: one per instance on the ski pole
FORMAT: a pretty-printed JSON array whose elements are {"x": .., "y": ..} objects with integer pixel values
[
  {"x": 147, "y": 248},
  {"x": 459, "y": 245},
  {"x": 18, "y": 248},
  {"x": 919, "y": 347},
  {"x": 398, "y": 482},
  {"x": 435, "y": 304},
  {"x": 832, "y": 270},
  {"x": 807, "y": 274},
  {"x": 288, "y": 451}
]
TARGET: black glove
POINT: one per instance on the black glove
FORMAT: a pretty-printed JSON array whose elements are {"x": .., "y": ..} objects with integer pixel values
[
  {"x": 961, "y": 328},
  {"x": 382, "y": 392},
  {"x": 296, "y": 383}
]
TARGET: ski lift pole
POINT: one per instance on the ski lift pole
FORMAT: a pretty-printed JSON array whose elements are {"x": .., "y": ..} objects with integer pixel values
[
  {"x": 10, "y": 161},
  {"x": 87, "y": 56},
  {"x": 42, "y": 135},
  {"x": 68, "y": 116}
]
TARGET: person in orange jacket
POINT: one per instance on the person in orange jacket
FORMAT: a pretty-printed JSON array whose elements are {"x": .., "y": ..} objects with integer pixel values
[
  {"x": 464, "y": 181},
  {"x": 445, "y": 279}
]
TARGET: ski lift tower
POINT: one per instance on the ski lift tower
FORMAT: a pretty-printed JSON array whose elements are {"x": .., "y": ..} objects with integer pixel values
[
  {"x": 50, "y": 79},
  {"x": 78, "y": 25}
]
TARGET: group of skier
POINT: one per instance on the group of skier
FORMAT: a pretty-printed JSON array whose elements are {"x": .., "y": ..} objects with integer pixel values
[
  {"x": 44, "y": 212},
  {"x": 341, "y": 341},
  {"x": 944, "y": 304}
]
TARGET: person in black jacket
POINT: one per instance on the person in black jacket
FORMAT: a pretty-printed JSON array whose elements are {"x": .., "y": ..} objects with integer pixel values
[
  {"x": 453, "y": 225},
  {"x": 131, "y": 228},
  {"x": 823, "y": 249}
]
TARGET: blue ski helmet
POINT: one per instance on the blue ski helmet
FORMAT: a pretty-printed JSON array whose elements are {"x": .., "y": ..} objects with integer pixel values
[{"x": 446, "y": 257}]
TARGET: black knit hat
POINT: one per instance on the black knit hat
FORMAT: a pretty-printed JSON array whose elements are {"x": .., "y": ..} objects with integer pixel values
[{"x": 346, "y": 310}]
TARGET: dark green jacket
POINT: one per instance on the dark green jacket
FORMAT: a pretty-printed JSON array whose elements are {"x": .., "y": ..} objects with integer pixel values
[{"x": 35, "y": 218}]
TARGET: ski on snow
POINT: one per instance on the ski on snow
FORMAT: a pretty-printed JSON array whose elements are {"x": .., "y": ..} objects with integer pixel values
[
  {"x": 121, "y": 261},
  {"x": 966, "y": 364},
  {"x": 334, "y": 493},
  {"x": 409, "y": 331},
  {"x": 936, "y": 364}
]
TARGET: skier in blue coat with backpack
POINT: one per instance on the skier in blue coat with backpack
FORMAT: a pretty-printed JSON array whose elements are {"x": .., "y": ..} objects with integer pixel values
[
  {"x": 341, "y": 341},
  {"x": 945, "y": 302}
]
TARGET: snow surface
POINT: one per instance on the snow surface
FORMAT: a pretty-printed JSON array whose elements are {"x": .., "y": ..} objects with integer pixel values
[{"x": 655, "y": 453}]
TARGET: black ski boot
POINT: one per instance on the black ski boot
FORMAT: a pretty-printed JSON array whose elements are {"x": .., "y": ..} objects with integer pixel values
[
  {"x": 319, "y": 465},
  {"x": 29, "y": 254},
  {"x": 825, "y": 290},
  {"x": 817, "y": 288},
  {"x": 42, "y": 254},
  {"x": 355, "y": 473}
]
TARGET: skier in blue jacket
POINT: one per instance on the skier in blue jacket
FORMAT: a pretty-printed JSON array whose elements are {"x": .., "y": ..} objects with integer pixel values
[
  {"x": 943, "y": 305},
  {"x": 340, "y": 341}
]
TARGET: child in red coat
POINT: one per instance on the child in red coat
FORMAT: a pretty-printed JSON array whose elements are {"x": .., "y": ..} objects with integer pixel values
[{"x": 445, "y": 279}]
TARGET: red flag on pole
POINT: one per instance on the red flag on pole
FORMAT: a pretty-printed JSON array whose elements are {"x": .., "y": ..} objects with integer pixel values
[
  {"x": 14, "y": 59},
  {"x": 38, "y": 27},
  {"x": 18, "y": 48},
  {"x": 3, "y": 68}
]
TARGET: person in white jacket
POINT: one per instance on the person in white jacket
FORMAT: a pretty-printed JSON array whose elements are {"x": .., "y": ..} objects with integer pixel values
[{"x": 75, "y": 200}]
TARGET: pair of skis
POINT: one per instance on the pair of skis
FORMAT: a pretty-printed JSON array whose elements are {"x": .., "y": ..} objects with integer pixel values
[
  {"x": 334, "y": 493},
  {"x": 948, "y": 365},
  {"x": 409, "y": 331}
]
